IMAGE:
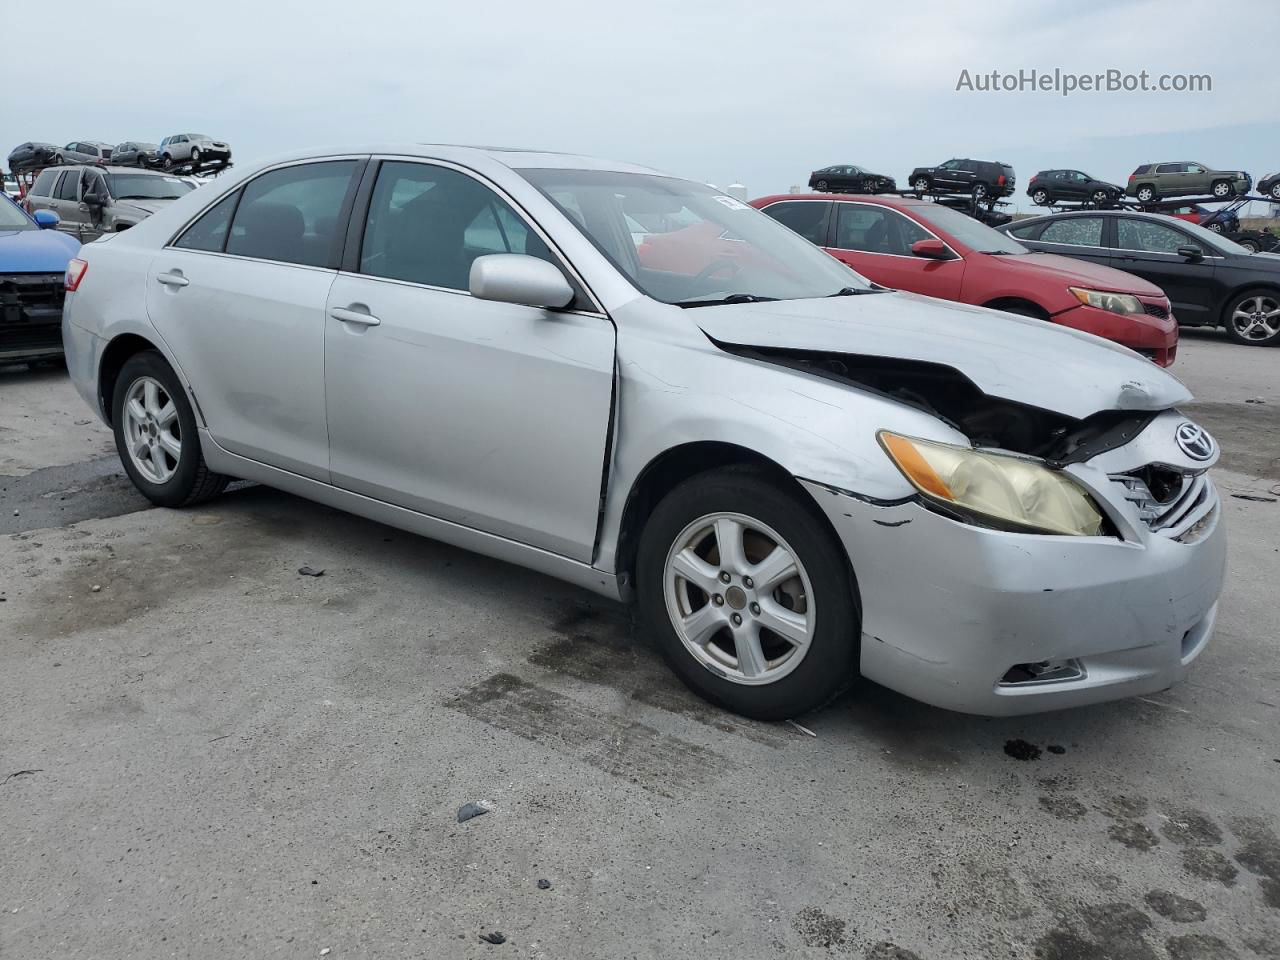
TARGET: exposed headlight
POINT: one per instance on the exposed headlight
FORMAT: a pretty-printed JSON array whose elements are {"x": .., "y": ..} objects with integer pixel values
[
  {"x": 1112, "y": 302},
  {"x": 1016, "y": 493}
]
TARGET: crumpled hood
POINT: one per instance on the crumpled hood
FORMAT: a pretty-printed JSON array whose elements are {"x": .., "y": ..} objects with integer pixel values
[
  {"x": 1015, "y": 358},
  {"x": 36, "y": 251}
]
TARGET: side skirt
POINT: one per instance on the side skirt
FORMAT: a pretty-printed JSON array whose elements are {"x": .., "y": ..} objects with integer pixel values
[{"x": 468, "y": 538}]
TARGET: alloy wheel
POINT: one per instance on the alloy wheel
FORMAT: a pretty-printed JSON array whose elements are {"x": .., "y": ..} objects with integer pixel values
[
  {"x": 1040, "y": 198},
  {"x": 151, "y": 429},
  {"x": 1221, "y": 189},
  {"x": 1257, "y": 318},
  {"x": 739, "y": 598}
]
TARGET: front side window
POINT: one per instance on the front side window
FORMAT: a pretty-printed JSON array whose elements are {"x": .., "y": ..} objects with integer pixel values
[
  {"x": 876, "y": 230},
  {"x": 807, "y": 218},
  {"x": 428, "y": 224},
  {"x": 714, "y": 247},
  {"x": 93, "y": 183},
  {"x": 1078, "y": 231},
  {"x": 292, "y": 214},
  {"x": 210, "y": 231},
  {"x": 1149, "y": 237}
]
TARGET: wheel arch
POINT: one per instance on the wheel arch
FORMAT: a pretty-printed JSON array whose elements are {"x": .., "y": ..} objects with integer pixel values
[
  {"x": 1224, "y": 314},
  {"x": 1011, "y": 302},
  {"x": 114, "y": 357},
  {"x": 677, "y": 464}
]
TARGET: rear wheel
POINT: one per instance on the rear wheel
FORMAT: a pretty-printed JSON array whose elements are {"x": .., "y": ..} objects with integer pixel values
[
  {"x": 1040, "y": 197},
  {"x": 920, "y": 184},
  {"x": 979, "y": 191},
  {"x": 1253, "y": 318},
  {"x": 1146, "y": 193},
  {"x": 1275, "y": 190},
  {"x": 748, "y": 595},
  {"x": 1249, "y": 243},
  {"x": 157, "y": 437}
]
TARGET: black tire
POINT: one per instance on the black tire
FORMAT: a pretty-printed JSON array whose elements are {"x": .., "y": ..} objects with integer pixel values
[
  {"x": 1100, "y": 198},
  {"x": 920, "y": 184},
  {"x": 1273, "y": 296},
  {"x": 831, "y": 661},
  {"x": 1250, "y": 244},
  {"x": 820, "y": 186},
  {"x": 192, "y": 481},
  {"x": 195, "y": 155},
  {"x": 1040, "y": 197},
  {"x": 979, "y": 191},
  {"x": 1222, "y": 189},
  {"x": 1275, "y": 190},
  {"x": 1024, "y": 311},
  {"x": 59, "y": 159},
  {"x": 1146, "y": 193},
  {"x": 166, "y": 161},
  {"x": 1215, "y": 227}
]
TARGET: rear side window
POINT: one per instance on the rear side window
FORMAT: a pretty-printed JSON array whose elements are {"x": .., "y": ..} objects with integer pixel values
[
  {"x": 876, "y": 230},
  {"x": 428, "y": 224},
  {"x": 291, "y": 215},
  {"x": 1169, "y": 168},
  {"x": 67, "y": 185},
  {"x": 43, "y": 186},
  {"x": 805, "y": 217},
  {"x": 1078, "y": 231},
  {"x": 1145, "y": 168},
  {"x": 210, "y": 231},
  {"x": 1029, "y": 232}
]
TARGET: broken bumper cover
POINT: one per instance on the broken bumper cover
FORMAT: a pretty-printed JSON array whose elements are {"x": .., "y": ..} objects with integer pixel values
[
  {"x": 949, "y": 608},
  {"x": 1153, "y": 334}
]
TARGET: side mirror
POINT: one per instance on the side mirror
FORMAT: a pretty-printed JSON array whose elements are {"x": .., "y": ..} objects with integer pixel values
[
  {"x": 517, "y": 278},
  {"x": 930, "y": 249},
  {"x": 46, "y": 219},
  {"x": 1191, "y": 252},
  {"x": 94, "y": 200}
]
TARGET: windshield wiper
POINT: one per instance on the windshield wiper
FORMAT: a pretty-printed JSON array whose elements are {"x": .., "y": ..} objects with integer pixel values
[
  {"x": 721, "y": 301},
  {"x": 1000, "y": 253},
  {"x": 854, "y": 291}
]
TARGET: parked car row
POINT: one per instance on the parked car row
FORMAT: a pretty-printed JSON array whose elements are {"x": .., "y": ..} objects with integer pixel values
[
  {"x": 175, "y": 150},
  {"x": 981, "y": 179}
]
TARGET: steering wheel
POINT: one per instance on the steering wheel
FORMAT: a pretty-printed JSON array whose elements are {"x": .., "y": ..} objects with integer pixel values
[{"x": 709, "y": 270}]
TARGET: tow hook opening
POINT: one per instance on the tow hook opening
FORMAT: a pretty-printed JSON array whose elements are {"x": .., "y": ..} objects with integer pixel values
[{"x": 1043, "y": 671}]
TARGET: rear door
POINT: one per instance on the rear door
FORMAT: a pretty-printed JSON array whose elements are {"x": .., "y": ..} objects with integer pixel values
[
  {"x": 240, "y": 297},
  {"x": 876, "y": 241},
  {"x": 1148, "y": 248},
  {"x": 809, "y": 218},
  {"x": 65, "y": 201}
]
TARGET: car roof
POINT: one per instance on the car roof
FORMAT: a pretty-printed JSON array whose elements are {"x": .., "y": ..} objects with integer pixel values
[
  {"x": 111, "y": 168},
  {"x": 514, "y": 158},
  {"x": 883, "y": 199},
  {"x": 1153, "y": 217}
]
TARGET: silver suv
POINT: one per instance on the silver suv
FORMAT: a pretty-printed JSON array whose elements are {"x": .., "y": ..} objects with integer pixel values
[
  {"x": 192, "y": 148},
  {"x": 91, "y": 201},
  {"x": 84, "y": 151}
]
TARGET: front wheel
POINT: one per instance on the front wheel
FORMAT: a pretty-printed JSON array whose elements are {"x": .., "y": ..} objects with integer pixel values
[
  {"x": 157, "y": 437},
  {"x": 748, "y": 595},
  {"x": 1222, "y": 189},
  {"x": 166, "y": 161},
  {"x": 821, "y": 186},
  {"x": 1100, "y": 198},
  {"x": 1253, "y": 318}
]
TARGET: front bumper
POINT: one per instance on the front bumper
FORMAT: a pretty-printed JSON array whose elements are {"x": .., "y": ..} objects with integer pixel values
[
  {"x": 949, "y": 608},
  {"x": 1153, "y": 334},
  {"x": 30, "y": 316}
]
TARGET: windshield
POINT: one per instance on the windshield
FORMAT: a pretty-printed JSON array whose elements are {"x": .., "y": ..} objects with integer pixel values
[
  {"x": 681, "y": 242},
  {"x": 11, "y": 218},
  {"x": 967, "y": 230},
  {"x": 139, "y": 186}
]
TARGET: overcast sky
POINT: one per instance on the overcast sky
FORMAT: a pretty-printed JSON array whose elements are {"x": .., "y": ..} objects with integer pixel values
[{"x": 718, "y": 91}]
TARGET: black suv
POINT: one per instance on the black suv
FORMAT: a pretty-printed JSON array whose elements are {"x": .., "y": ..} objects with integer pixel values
[
  {"x": 1054, "y": 186},
  {"x": 981, "y": 178}
]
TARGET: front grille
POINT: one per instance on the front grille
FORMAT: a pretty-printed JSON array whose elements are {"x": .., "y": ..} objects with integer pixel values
[
  {"x": 1174, "y": 504},
  {"x": 30, "y": 312},
  {"x": 1155, "y": 310}
]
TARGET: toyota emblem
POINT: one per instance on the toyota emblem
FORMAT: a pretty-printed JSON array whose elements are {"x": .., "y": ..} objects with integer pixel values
[{"x": 1194, "y": 441}]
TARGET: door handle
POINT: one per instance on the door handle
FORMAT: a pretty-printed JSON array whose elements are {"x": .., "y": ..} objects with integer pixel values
[
  {"x": 172, "y": 279},
  {"x": 354, "y": 316}
]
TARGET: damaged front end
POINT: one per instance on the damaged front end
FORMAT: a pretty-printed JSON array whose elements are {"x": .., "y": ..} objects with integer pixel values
[{"x": 947, "y": 394}]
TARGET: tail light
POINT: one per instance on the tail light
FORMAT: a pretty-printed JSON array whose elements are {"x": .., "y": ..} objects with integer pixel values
[
  {"x": 76, "y": 270},
  {"x": 1000, "y": 180}
]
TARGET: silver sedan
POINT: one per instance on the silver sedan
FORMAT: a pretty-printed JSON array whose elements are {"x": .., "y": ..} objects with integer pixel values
[{"x": 646, "y": 387}]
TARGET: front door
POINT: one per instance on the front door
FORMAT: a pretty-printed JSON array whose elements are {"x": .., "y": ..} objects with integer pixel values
[
  {"x": 1149, "y": 249},
  {"x": 243, "y": 310},
  {"x": 876, "y": 241},
  {"x": 491, "y": 415}
]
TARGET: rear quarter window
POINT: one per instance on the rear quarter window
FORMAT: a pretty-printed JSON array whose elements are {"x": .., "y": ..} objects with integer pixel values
[{"x": 1030, "y": 231}]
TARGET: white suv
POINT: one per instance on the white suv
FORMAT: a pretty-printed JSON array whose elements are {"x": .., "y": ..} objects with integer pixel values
[{"x": 192, "y": 148}]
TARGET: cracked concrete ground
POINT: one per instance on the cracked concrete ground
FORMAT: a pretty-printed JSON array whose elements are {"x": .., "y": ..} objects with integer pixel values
[{"x": 204, "y": 754}]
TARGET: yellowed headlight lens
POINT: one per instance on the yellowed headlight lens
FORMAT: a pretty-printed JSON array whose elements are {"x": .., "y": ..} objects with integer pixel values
[{"x": 1023, "y": 493}]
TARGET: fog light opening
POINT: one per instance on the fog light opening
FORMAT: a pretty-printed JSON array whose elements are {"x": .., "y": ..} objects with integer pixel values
[{"x": 1043, "y": 671}]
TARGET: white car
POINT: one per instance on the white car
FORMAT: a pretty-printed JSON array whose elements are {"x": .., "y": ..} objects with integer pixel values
[
  {"x": 191, "y": 148},
  {"x": 795, "y": 474}
]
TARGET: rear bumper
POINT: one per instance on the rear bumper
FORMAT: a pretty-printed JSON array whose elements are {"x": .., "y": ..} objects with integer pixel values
[
  {"x": 949, "y": 608},
  {"x": 84, "y": 355}
]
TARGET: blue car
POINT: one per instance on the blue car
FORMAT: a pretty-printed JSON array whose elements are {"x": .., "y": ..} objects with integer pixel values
[{"x": 33, "y": 264}]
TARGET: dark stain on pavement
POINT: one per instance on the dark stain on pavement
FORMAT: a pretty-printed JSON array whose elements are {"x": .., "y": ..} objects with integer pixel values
[
  {"x": 1206, "y": 864},
  {"x": 631, "y": 751},
  {"x": 1134, "y": 835},
  {"x": 1189, "y": 828},
  {"x": 1198, "y": 946},
  {"x": 820, "y": 930},
  {"x": 1260, "y": 855},
  {"x": 1173, "y": 907}
]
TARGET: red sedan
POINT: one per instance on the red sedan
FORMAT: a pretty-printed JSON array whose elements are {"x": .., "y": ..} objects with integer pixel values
[{"x": 927, "y": 248}]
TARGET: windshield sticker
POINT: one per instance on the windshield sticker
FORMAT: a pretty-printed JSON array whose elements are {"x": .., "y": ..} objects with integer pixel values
[{"x": 731, "y": 202}]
